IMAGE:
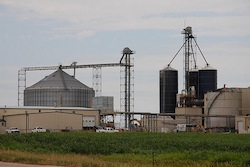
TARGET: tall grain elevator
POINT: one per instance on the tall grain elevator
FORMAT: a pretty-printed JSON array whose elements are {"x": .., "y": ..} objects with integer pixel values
[{"x": 196, "y": 82}]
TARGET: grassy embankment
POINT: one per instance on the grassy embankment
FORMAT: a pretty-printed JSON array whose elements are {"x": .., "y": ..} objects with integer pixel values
[{"x": 127, "y": 149}]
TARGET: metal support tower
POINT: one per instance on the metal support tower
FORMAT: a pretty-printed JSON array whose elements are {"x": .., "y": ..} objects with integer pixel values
[
  {"x": 97, "y": 80},
  {"x": 127, "y": 86},
  {"x": 21, "y": 86},
  {"x": 188, "y": 36},
  {"x": 188, "y": 55}
]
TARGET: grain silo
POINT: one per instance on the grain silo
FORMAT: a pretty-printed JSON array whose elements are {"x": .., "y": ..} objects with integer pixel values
[
  {"x": 168, "y": 89},
  {"x": 207, "y": 80},
  {"x": 59, "y": 89},
  {"x": 194, "y": 80}
]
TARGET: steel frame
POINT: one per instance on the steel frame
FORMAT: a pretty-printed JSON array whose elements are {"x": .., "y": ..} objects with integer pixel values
[{"x": 96, "y": 80}]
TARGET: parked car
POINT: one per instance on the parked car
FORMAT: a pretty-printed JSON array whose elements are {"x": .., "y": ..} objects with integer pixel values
[
  {"x": 12, "y": 130},
  {"x": 97, "y": 127},
  {"x": 38, "y": 129},
  {"x": 107, "y": 130}
]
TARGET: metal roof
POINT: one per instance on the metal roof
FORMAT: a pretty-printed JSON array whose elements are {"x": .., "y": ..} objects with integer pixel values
[
  {"x": 168, "y": 68},
  {"x": 47, "y": 108},
  {"x": 59, "y": 80},
  {"x": 208, "y": 67}
]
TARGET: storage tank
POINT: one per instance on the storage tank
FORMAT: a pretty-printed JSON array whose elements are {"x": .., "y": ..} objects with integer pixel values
[
  {"x": 103, "y": 103},
  {"x": 194, "y": 80},
  {"x": 222, "y": 106},
  {"x": 207, "y": 81},
  {"x": 59, "y": 89},
  {"x": 168, "y": 89}
]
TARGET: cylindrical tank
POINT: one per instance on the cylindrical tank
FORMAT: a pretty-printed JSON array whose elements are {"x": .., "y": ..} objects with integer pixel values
[
  {"x": 222, "y": 106},
  {"x": 168, "y": 89},
  {"x": 194, "y": 80},
  {"x": 207, "y": 81},
  {"x": 59, "y": 90}
]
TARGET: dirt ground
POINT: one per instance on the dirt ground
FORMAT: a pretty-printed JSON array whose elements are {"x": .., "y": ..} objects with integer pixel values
[{"x": 8, "y": 164}]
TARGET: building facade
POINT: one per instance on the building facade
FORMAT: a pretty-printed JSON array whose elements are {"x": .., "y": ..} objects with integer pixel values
[{"x": 52, "y": 118}]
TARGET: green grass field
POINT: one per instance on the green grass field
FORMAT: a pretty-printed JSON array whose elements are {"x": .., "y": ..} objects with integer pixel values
[{"x": 128, "y": 149}]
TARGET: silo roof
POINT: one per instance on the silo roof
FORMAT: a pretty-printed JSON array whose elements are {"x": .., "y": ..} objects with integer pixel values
[
  {"x": 59, "y": 80},
  {"x": 208, "y": 67},
  {"x": 168, "y": 68}
]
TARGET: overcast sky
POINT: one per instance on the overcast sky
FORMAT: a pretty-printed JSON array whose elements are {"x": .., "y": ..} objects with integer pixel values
[{"x": 52, "y": 32}]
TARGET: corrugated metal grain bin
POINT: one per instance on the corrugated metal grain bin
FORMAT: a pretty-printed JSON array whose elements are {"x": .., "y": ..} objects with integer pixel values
[{"x": 59, "y": 89}]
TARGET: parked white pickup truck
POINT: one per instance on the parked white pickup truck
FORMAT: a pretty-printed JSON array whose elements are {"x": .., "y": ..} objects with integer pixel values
[
  {"x": 12, "y": 130},
  {"x": 38, "y": 129},
  {"x": 107, "y": 130}
]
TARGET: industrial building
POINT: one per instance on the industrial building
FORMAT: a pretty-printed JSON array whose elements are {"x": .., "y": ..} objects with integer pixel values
[
  {"x": 224, "y": 110},
  {"x": 242, "y": 124},
  {"x": 200, "y": 103},
  {"x": 60, "y": 100},
  {"x": 55, "y": 102},
  {"x": 62, "y": 90},
  {"x": 53, "y": 118},
  {"x": 226, "y": 104}
]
